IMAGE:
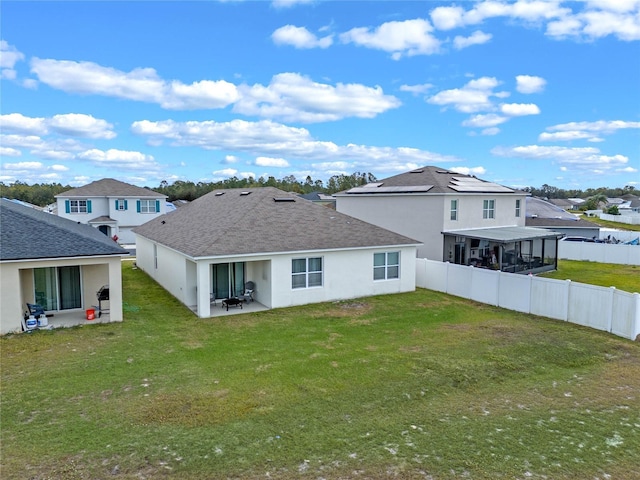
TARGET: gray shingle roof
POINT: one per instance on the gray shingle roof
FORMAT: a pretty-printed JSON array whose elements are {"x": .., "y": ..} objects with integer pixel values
[
  {"x": 109, "y": 187},
  {"x": 26, "y": 233},
  {"x": 440, "y": 180},
  {"x": 226, "y": 222}
]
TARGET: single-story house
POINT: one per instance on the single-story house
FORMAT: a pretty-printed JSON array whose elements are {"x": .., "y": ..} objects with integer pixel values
[
  {"x": 55, "y": 263},
  {"x": 294, "y": 251},
  {"x": 544, "y": 214}
]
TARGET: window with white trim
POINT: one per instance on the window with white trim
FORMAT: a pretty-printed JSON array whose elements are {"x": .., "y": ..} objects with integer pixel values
[
  {"x": 121, "y": 204},
  {"x": 454, "y": 209},
  {"x": 147, "y": 206},
  {"x": 78, "y": 206},
  {"x": 386, "y": 265},
  {"x": 488, "y": 208},
  {"x": 306, "y": 272},
  {"x": 517, "y": 208}
]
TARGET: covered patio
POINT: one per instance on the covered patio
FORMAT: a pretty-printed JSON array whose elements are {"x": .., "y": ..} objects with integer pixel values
[{"x": 508, "y": 249}]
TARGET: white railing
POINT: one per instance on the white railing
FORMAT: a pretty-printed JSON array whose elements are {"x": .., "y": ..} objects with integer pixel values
[
  {"x": 600, "y": 252},
  {"x": 602, "y": 308}
]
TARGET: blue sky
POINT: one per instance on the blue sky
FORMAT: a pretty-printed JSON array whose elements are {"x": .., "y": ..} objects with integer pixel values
[{"x": 523, "y": 93}]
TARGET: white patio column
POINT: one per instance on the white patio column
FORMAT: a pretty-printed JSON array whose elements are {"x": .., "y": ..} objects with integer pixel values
[
  {"x": 203, "y": 285},
  {"x": 115, "y": 289}
]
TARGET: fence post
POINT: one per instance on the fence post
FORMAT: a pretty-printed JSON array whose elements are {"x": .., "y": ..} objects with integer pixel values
[
  {"x": 635, "y": 320},
  {"x": 611, "y": 300},
  {"x": 566, "y": 316},
  {"x": 446, "y": 278}
]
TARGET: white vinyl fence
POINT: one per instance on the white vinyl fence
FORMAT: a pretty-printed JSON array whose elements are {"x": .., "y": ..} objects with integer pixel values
[
  {"x": 600, "y": 252},
  {"x": 633, "y": 219},
  {"x": 601, "y": 308}
]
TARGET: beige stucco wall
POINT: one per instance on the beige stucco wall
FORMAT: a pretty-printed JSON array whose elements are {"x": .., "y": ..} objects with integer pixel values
[{"x": 16, "y": 284}]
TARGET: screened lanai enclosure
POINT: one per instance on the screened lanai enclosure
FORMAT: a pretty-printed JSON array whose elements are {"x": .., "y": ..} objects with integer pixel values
[{"x": 508, "y": 249}]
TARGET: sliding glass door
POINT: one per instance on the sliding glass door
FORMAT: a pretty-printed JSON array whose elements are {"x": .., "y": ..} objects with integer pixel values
[
  {"x": 58, "y": 288},
  {"x": 228, "y": 279}
]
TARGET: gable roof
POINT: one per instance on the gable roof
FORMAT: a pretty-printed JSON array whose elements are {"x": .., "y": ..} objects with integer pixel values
[
  {"x": 262, "y": 220},
  {"x": 431, "y": 180},
  {"x": 109, "y": 187},
  {"x": 26, "y": 233},
  {"x": 537, "y": 207}
]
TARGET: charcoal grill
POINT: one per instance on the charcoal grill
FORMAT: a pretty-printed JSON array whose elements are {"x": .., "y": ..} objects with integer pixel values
[{"x": 102, "y": 295}]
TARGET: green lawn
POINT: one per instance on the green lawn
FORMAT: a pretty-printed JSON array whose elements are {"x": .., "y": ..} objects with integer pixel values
[
  {"x": 623, "y": 277},
  {"x": 610, "y": 224},
  {"x": 417, "y": 385}
]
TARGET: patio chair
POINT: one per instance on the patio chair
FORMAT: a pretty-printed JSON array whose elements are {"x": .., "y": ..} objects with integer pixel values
[{"x": 249, "y": 289}]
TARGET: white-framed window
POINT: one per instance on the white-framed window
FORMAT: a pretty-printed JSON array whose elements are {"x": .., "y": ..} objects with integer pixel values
[
  {"x": 386, "y": 265},
  {"x": 121, "y": 204},
  {"x": 454, "y": 209},
  {"x": 517, "y": 208},
  {"x": 306, "y": 272},
  {"x": 488, "y": 208},
  {"x": 148, "y": 206},
  {"x": 78, "y": 206}
]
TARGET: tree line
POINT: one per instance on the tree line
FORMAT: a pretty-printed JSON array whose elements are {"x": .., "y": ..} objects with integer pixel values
[{"x": 43, "y": 194}]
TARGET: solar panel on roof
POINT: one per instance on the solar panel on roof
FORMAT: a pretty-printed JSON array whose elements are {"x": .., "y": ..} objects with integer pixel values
[{"x": 484, "y": 187}]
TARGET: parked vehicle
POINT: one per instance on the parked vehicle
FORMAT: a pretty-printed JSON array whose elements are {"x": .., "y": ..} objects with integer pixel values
[{"x": 581, "y": 239}]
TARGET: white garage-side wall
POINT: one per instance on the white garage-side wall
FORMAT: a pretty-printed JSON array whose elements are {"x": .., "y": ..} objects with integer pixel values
[
  {"x": 165, "y": 266},
  {"x": 346, "y": 274}
]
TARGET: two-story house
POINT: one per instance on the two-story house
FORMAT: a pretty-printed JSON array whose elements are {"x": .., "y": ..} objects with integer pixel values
[
  {"x": 111, "y": 206},
  {"x": 458, "y": 218}
]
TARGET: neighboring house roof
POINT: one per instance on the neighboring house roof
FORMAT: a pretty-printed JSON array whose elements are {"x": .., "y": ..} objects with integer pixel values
[
  {"x": 262, "y": 220},
  {"x": 635, "y": 201},
  {"x": 536, "y": 207},
  {"x": 432, "y": 180},
  {"x": 562, "y": 202},
  {"x": 26, "y": 233},
  {"x": 109, "y": 187},
  {"x": 543, "y": 214}
]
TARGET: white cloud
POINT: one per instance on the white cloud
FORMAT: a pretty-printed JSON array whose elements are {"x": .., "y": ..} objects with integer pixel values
[
  {"x": 581, "y": 159},
  {"x": 416, "y": 89},
  {"x": 568, "y": 136},
  {"x": 225, "y": 173},
  {"x": 123, "y": 159},
  {"x": 16, "y": 122},
  {"x": 300, "y": 37},
  {"x": 59, "y": 168},
  {"x": 486, "y": 120},
  {"x": 268, "y": 139},
  {"x": 9, "y": 56},
  {"x": 81, "y": 125},
  {"x": 293, "y": 97},
  {"x": 476, "y": 38},
  {"x": 590, "y": 131},
  {"x": 271, "y": 162},
  {"x": 229, "y": 159},
  {"x": 405, "y": 38},
  {"x": 519, "y": 109},
  {"x": 469, "y": 170},
  {"x": 471, "y": 98},
  {"x": 23, "y": 166},
  {"x": 288, "y": 3},
  {"x": 140, "y": 84},
  {"x": 530, "y": 84},
  {"x": 9, "y": 152},
  {"x": 200, "y": 95},
  {"x": 491, "y": 131},
  {"x": 447, "y": 18},
  {"x": 589, "y": 19}
]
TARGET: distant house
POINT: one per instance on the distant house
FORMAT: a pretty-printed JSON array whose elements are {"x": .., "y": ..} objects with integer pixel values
[
  {"x": 111, "y": 206},
  {"x": 567, "y": 203},
  {"x": 56, "y": 263},
  {"x": 543, "y": 214},
  {"x": 295, "y": 252},
  {"x": 320, "y": 198},
  {"x": 458, "y": 218}
]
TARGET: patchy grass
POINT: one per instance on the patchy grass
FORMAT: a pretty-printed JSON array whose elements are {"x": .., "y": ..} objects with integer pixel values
[
  {"x": 623, "y": 277},
  {"x": 418, "y": 385}
]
